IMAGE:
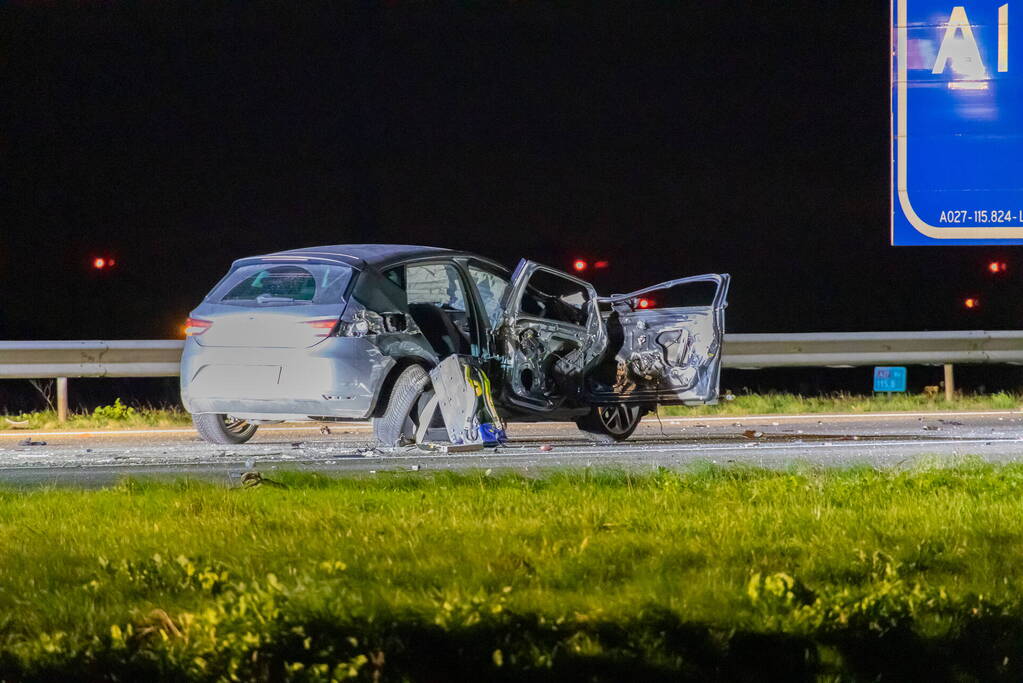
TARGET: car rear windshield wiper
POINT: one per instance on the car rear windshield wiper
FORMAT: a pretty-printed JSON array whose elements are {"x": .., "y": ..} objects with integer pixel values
[{"x": 270, "y": 299}]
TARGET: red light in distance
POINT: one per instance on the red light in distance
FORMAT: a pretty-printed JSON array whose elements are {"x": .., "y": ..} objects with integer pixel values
[
  {"x": 579, "y": 265},
  {"x": 645, "y": 303},
  {"x": 99, "y": 263},
  {"x": 195, "y": 326},
  {"x": 971, "y": 302},
  {"x": 600, "y": 264},
  {"x": 997, "y": 266}
]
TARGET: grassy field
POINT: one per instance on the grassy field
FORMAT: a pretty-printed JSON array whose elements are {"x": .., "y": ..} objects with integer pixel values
[
  {"x": 121, "y": 416},
  {"x": 768, "y": 404},
  {"x": 588, "y": 575},
  {"x": 116, "y": 416}
]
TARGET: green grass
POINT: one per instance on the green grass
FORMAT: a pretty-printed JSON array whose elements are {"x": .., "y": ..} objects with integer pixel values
[
  {"x": 120, "y": 416},
  {"x": 780, "y": 403},
  {"x": 116, "y": 416},
  {"x": 587, "y": 575}
]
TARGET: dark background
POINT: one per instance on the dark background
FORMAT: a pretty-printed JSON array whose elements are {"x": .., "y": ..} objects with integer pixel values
[{"x": 667, "y": 138}]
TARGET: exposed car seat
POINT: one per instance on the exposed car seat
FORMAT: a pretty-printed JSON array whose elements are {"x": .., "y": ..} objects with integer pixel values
[{"x": 439, "y": 329}]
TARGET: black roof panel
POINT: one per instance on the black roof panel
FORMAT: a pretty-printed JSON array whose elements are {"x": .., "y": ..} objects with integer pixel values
[{"x": 372, "y": 254}]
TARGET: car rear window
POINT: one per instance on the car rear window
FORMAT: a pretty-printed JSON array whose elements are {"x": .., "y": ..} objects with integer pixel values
[{"x": 282, "y": 284}]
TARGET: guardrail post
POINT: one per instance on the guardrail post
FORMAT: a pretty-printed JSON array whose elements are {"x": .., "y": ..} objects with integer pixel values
[
  {"x": 62, "y": 399},
  {"x": 950, "y": 383}
]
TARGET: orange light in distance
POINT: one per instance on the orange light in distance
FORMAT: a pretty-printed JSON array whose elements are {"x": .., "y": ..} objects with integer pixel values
[
  {"x": 579, "y": 265},
  {"x": 997, "y": 266},
  {"x": 645, "y": 303},
  {"x": 99, "y": 263},
  {"x": 971, "y": 302}
]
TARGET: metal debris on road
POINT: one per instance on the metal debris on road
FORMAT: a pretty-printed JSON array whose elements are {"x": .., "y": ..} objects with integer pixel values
[
  {"x": 254, "y": 479},
  {"x": 451, "y": 447},
  {"x": 30, "y": 442}
]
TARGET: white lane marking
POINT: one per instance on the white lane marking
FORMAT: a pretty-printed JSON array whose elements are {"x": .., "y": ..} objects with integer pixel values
[
  {"x": 723, "y": 447},
  {"x": 185, "y": 430},
  {"x": 846, "y": 416},
  {"x": 668, "y": 419}
]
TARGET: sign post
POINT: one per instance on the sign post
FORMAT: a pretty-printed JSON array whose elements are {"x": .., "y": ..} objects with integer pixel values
[{"x": 957, "y": 122}]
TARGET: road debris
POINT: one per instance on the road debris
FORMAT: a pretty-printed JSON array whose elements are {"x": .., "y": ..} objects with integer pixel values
[
  {"x": 324, "y": 429},
  {"x": 415, "y": 468},
  {"x": 752, "y": 434},
  {"x": 546, "y": 448},
  {"x": 450, "y": 447},
  {"x": 30, "y": 442},
  {"x": 254, "y": 479},
  {"x": 296, "y": 444},
  {"x": 368, "y": 452}
]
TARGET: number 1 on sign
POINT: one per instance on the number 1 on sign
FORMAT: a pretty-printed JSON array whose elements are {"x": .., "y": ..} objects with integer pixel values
[{"x": 963, "y": 51}]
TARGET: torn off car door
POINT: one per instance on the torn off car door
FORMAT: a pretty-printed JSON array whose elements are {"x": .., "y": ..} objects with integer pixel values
[
  {"x": 551, "y": 335},
  {"x": 664, "y": 343}
]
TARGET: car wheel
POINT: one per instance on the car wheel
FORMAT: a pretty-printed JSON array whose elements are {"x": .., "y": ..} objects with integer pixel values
[
  {"x": 221, "y": 428},
  {"x": 611, "y": 423},
  {"x": 409, "y": 396}
]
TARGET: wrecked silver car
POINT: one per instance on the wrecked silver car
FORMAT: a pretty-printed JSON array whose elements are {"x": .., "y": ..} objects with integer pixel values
[{"x": 351, "y": 332}]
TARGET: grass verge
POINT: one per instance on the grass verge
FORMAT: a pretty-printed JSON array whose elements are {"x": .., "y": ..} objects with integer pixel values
[
  {"x": 794, "y": 404},
  {"x": 607, "y": 575},
  {"x": 116, "y": 416},
  {"x": 121, "y": 416}
]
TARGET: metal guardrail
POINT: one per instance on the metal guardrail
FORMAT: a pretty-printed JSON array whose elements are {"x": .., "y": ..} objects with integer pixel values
[
  {"x": 850, "y": 349},
  {"x": 160, "y": 358},
  {"x": 121, "y": 358}
]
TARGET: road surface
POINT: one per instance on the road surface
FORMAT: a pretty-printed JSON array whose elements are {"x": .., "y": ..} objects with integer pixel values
[{"x": 880, "y": 440}]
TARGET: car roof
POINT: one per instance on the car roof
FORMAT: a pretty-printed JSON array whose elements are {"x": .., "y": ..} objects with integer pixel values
[{"x": 375, "y": 255}]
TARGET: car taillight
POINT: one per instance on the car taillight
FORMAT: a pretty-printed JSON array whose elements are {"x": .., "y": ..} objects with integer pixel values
[
  {"x": 324, "y": 326},
  {"x": 196, "y": 326}
]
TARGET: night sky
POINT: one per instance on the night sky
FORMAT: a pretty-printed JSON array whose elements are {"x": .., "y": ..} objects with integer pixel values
[{"x": 667, "y": 138}]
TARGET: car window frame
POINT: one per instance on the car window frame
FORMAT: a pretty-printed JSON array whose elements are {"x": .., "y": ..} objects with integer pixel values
[
  {"x": 476, "y": 331},
  {"x": 493, "y": 270},
  {"x": 517, "y": 302}
]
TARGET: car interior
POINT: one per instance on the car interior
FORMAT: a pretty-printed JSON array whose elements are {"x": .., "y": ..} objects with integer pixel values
[
  {"x": 439, "y": 328},
  {"x": 436, "y": 302}
]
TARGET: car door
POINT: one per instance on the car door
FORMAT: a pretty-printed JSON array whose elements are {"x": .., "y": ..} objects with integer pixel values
[
  {"x": 664, "y": 343},
  {"x": 550, "y": 336}
]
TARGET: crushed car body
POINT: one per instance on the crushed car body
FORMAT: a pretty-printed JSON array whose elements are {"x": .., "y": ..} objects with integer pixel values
[{"x": 352, "y": 331}]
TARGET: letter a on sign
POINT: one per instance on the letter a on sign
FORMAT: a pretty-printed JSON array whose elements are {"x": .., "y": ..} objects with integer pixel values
[{"x": 962, "y": 52}]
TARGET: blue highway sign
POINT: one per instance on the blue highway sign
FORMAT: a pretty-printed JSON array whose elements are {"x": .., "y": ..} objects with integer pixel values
[
  {"x": 889, "y": 379},
  {"x": 957, "y": 122}
]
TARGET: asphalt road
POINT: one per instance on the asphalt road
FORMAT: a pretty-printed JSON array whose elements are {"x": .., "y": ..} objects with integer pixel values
[{"x": 892, "y": 440}]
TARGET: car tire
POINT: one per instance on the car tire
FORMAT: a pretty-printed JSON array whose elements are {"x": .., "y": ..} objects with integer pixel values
[
  {"x": 608, "y": 424},
  {"x": 221, "y": 428},
  {"x": 397, "y": 426}
]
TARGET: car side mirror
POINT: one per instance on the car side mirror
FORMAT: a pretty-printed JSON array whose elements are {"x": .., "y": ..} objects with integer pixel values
[{"x": 395, "y": 322}]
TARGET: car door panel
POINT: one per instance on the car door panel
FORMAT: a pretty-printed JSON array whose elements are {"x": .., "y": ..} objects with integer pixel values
[
  {"x": 663, "y": 354},
  {"x": 546, "y": 352}
]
